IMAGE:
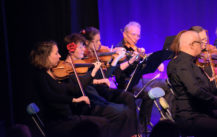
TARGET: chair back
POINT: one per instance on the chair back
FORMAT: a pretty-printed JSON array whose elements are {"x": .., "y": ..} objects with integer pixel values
[{"x": 32, "y": 109}]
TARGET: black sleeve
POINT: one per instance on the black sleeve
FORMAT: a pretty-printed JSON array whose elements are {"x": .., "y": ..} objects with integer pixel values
[
  {"x": 86, "y": 79},
  {"x": 110, "y": 71},
  {"x": 107, "y": 73},
  {"x": 47, "y": 92}
]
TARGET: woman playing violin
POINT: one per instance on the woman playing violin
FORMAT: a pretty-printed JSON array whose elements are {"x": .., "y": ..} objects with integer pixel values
[
  {"x": 53, "y": 96},
  {"x": 116, "y": 103},
  {"x": 92, "y": 36}
]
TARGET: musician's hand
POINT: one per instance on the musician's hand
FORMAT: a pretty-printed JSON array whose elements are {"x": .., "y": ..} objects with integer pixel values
[
  {"x": 96, "y": 68},
  {"x": 121, "y": 54},
  {"x": 161, "y": 67},
  {"x": 97, "y": 65},
  {"x": 134, "y": 57},
  {"x": 102, "y": 81},
  {"x": 81, "y": 99},
  {"x": 141, "y": 50}
]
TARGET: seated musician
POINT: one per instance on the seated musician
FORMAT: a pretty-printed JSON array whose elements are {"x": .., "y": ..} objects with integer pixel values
[
  {"x": 195, "y": 99},
  {"x": 207, "y": 49},
  {"x": 92, "y": 36},
  {"x": 53, "y": 95},
  {"x": 119, "y": 108},
  {"x": 131, "y": 36},
  {"x": 92, "y": 40}
]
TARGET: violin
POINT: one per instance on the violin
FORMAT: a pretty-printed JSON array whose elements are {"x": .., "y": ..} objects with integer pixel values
[
  {"x": 64, "y": 69},
  {"x": 104, "y": 54},
  {"x": 203, "y": 59},
  {"x": 208, "y": 57},
  {"x": 130, "y": 44},
  {"x": 134, "y": 47}
]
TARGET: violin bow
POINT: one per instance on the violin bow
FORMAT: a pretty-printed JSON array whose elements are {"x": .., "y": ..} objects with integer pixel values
[
  {"x": 76, "y": 75},
  {"x": 97, "y": 58}
]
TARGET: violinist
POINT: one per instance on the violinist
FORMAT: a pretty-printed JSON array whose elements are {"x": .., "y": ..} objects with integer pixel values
[
  {"x": 92, "y": 40},
  {"x": 131, "y": 35},
  {"x": 92, "y": 36},
  {"x": 206, "y": 49},
  {"x": 119, "y": 108},
  {"x": 195, "y": 99},
  {"x": 53, "y": 96}
]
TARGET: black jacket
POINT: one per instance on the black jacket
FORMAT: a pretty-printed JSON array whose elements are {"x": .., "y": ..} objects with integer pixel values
[{"x": 195, "y": 95}]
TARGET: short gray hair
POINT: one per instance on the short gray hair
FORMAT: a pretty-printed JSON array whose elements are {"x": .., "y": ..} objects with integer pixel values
[{"x": 132, "y": 23}]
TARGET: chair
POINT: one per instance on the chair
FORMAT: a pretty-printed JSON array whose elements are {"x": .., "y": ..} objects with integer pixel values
[
  {"x": 32, "y": 109},
  {"x": 167, "y": 107},
  {"x": 156, "y": 93}
]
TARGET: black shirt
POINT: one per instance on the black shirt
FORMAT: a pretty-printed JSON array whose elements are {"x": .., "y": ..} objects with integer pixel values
[
  {"x": 55, "y": 96},
  {"x": 193, "y": 90}
]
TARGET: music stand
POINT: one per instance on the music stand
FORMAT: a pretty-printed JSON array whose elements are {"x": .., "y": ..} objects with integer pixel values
[{"x": 168, "y": 42}]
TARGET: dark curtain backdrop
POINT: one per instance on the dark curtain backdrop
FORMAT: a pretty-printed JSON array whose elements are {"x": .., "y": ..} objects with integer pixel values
[
  {"x": 158, "y": 18},
  {"x": 24, "y": 23}
]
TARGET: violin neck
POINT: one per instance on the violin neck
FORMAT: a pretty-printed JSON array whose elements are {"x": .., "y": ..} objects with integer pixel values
[
  {"x": 83, "y": 65},
  {"x": 105, "y": 53}
]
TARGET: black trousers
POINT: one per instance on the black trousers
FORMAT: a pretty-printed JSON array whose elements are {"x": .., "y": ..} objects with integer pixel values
[{"x": 117, "y": 107}]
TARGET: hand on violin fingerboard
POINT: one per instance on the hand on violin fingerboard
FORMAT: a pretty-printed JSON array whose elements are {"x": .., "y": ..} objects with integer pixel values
[
  {"x": 96, "y": 68},
  {"x": 120, "y": 54}
]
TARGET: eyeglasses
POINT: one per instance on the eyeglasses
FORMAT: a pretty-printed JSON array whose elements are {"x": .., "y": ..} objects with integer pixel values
[
  {"x": 198, "y": 42},
  {"x": 134, "y": 34}
]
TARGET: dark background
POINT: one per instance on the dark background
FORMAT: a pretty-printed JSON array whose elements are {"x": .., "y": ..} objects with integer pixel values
[{"x": 24, "y": 23}]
